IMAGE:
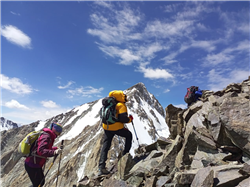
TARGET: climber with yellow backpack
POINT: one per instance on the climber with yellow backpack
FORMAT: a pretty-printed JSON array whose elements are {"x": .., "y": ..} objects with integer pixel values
[
  {"x": 36, "y": 147},
  {"x": 113, "y": 116}
]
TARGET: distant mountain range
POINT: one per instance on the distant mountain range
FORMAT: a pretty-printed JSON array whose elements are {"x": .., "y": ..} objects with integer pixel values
[
  {"x": 203, "y": 145},
  {"x": 8, "y": 124},
  {"x": 82, "y": 135}
]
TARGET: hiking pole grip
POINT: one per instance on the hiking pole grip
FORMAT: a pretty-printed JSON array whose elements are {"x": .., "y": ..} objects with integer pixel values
[{"x": 62, "y": 142}]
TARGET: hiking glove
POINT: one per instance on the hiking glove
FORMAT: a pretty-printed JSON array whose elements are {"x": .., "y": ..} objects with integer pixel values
[
  {"x": 58, "y": 151},
  {"x": 131, "y": 117}
]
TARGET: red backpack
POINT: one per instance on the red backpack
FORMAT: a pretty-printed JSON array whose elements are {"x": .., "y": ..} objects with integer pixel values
[{"x": 190, "y": 95}]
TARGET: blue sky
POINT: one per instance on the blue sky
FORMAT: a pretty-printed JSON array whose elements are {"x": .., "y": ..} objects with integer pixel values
[{"x": 59, "y": 55}]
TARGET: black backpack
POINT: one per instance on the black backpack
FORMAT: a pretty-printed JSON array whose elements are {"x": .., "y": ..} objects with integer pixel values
[
  {"x": 108, "y": 111},
  {"x": 190, "y": 95}
]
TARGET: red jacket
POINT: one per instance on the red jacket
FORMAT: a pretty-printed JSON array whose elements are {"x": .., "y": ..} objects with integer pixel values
[{"x": 44, "y": 148}]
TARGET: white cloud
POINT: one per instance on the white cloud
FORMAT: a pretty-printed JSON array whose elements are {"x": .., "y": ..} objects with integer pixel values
[
  {"x": 170, "y": 58},
  {"x": 118, "y": 27},
  {"x": 235, "y": 21},
  {"x": 160, "y": 29},
  {"x": 15, "y": 85},
  {"x": 16, "y": 36},
  {"x": 137, "y": 40},
  {"x": 218, "y": 80},
  {"x": 155, "y": 73},
  {"x": 15, "y": 104},
  {"x": 148, "y": 51},
  {"x": 215, "y": 59},
  {"x": 33, "y": 114},
  {"x": 181, "y": 106},
  {"x": 85, "y": 91},
  {"x": 104, "y": 4},
  {"x": 126, "y": 56},
  {"x": 227, "y": 55},
  {"x": 16, "y": 14},
  {"x": 202, "y": 27},
  {"x": 172, "y": 8},
  {"x": 206, "y": 45},
  {"x": 49, "y": 104},
  {"x": 67, "y": 85},
  {"x": 166, "y": 91}
]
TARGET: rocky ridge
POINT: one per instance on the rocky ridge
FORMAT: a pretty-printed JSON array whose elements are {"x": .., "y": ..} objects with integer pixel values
[
  {"x": 82, "y": 135},
  {"x": 208, "y": 146}
]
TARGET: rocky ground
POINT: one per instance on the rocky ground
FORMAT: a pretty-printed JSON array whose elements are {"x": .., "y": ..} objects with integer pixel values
[{"x": 209, "y": 146}]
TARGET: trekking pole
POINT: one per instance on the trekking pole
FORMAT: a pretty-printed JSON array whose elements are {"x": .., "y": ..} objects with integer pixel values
[
  {"x": 59, "y": 163},
  {"x": 135, "y": 133},
  {"x": 48, "y": 170}
]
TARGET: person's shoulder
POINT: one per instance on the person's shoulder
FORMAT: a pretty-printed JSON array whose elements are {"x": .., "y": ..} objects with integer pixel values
[
  {"x": 48, "y": 133},
  {"x": 120, "y": 104}
]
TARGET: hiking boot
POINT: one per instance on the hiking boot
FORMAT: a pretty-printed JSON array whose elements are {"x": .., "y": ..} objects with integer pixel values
[{"x": 103, "y": 172}]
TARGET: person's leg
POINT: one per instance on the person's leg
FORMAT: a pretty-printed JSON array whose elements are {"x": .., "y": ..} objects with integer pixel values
[
  {"x": 128, "y": 135},
  {"x": 108, "y": 136},
  {"x": 36, "y": 175}
]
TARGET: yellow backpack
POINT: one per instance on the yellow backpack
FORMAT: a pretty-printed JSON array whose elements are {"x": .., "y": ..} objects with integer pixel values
[{"x": 27, "y": 143}]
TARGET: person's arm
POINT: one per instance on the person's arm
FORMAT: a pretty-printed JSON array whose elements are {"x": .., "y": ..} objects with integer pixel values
[
  {"x": 124, "y": 118},
  {"x": 43, "y": 146},
  {"x": 122, "y": 113}
]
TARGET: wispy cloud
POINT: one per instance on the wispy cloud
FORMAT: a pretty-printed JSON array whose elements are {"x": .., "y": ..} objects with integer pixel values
[
  {"x": 218, "y": 80},
  {"x": 227, "y": 55},
  {"x": 49, "y": 104},
  {"x": 118, "y": 28},
  {"x": 16, "y": 36},
  {"x": 16, "y": 14},
  {"x": 126, "y": 56},
  {"x": 67, "y": 85},
  {"x": 104, "y": 4},
  {"x": 166, "y": 91},
  {"x": 15, "y": 104},
  {"x": 125, "y": 33},
  {"x": 161, "y": 29},
  {"x": 88, "y": 91},
  {"x": 235, "y": 22},
  {"x": 15, "y": 85}
]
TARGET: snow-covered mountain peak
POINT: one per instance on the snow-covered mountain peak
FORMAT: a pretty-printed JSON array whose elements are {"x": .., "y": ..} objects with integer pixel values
[
  {"x": 140, "y": 94},
  {"x": 82, "y": 131},
  {"x": 7, "y": 124}
]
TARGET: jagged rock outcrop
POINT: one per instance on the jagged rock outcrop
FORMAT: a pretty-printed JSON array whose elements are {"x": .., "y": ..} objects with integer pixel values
[{"x": 209, "y": 146}]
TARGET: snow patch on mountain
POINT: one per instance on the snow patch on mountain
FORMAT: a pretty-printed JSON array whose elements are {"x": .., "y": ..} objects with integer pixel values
[{"x": 88, "y": 116}]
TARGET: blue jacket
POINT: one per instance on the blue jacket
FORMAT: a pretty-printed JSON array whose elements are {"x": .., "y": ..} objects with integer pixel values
[{"x": 198, "y": 94}]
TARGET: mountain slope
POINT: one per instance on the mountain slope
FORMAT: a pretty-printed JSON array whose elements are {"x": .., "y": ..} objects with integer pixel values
[{"x": 82, "y": 135}]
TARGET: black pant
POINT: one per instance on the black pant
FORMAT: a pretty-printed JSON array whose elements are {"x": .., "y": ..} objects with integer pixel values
[
  {"x": 108, "y": 136},
  {"x": 36, "y": 175}
]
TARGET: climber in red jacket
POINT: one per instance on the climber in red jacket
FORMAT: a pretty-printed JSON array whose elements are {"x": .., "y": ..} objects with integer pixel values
[{"x": 40, "y": 151}]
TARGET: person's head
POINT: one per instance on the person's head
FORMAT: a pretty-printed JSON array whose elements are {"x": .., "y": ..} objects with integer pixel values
[
  {"x": 118, "y": 95},
  {"x": 56, "y": 128}
]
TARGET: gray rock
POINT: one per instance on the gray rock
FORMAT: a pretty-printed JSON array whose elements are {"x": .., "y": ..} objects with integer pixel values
[{"x": 204, "y": 178}]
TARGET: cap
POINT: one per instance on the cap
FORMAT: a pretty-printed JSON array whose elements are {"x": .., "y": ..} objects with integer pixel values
[{"x": 56, "y": 127}]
